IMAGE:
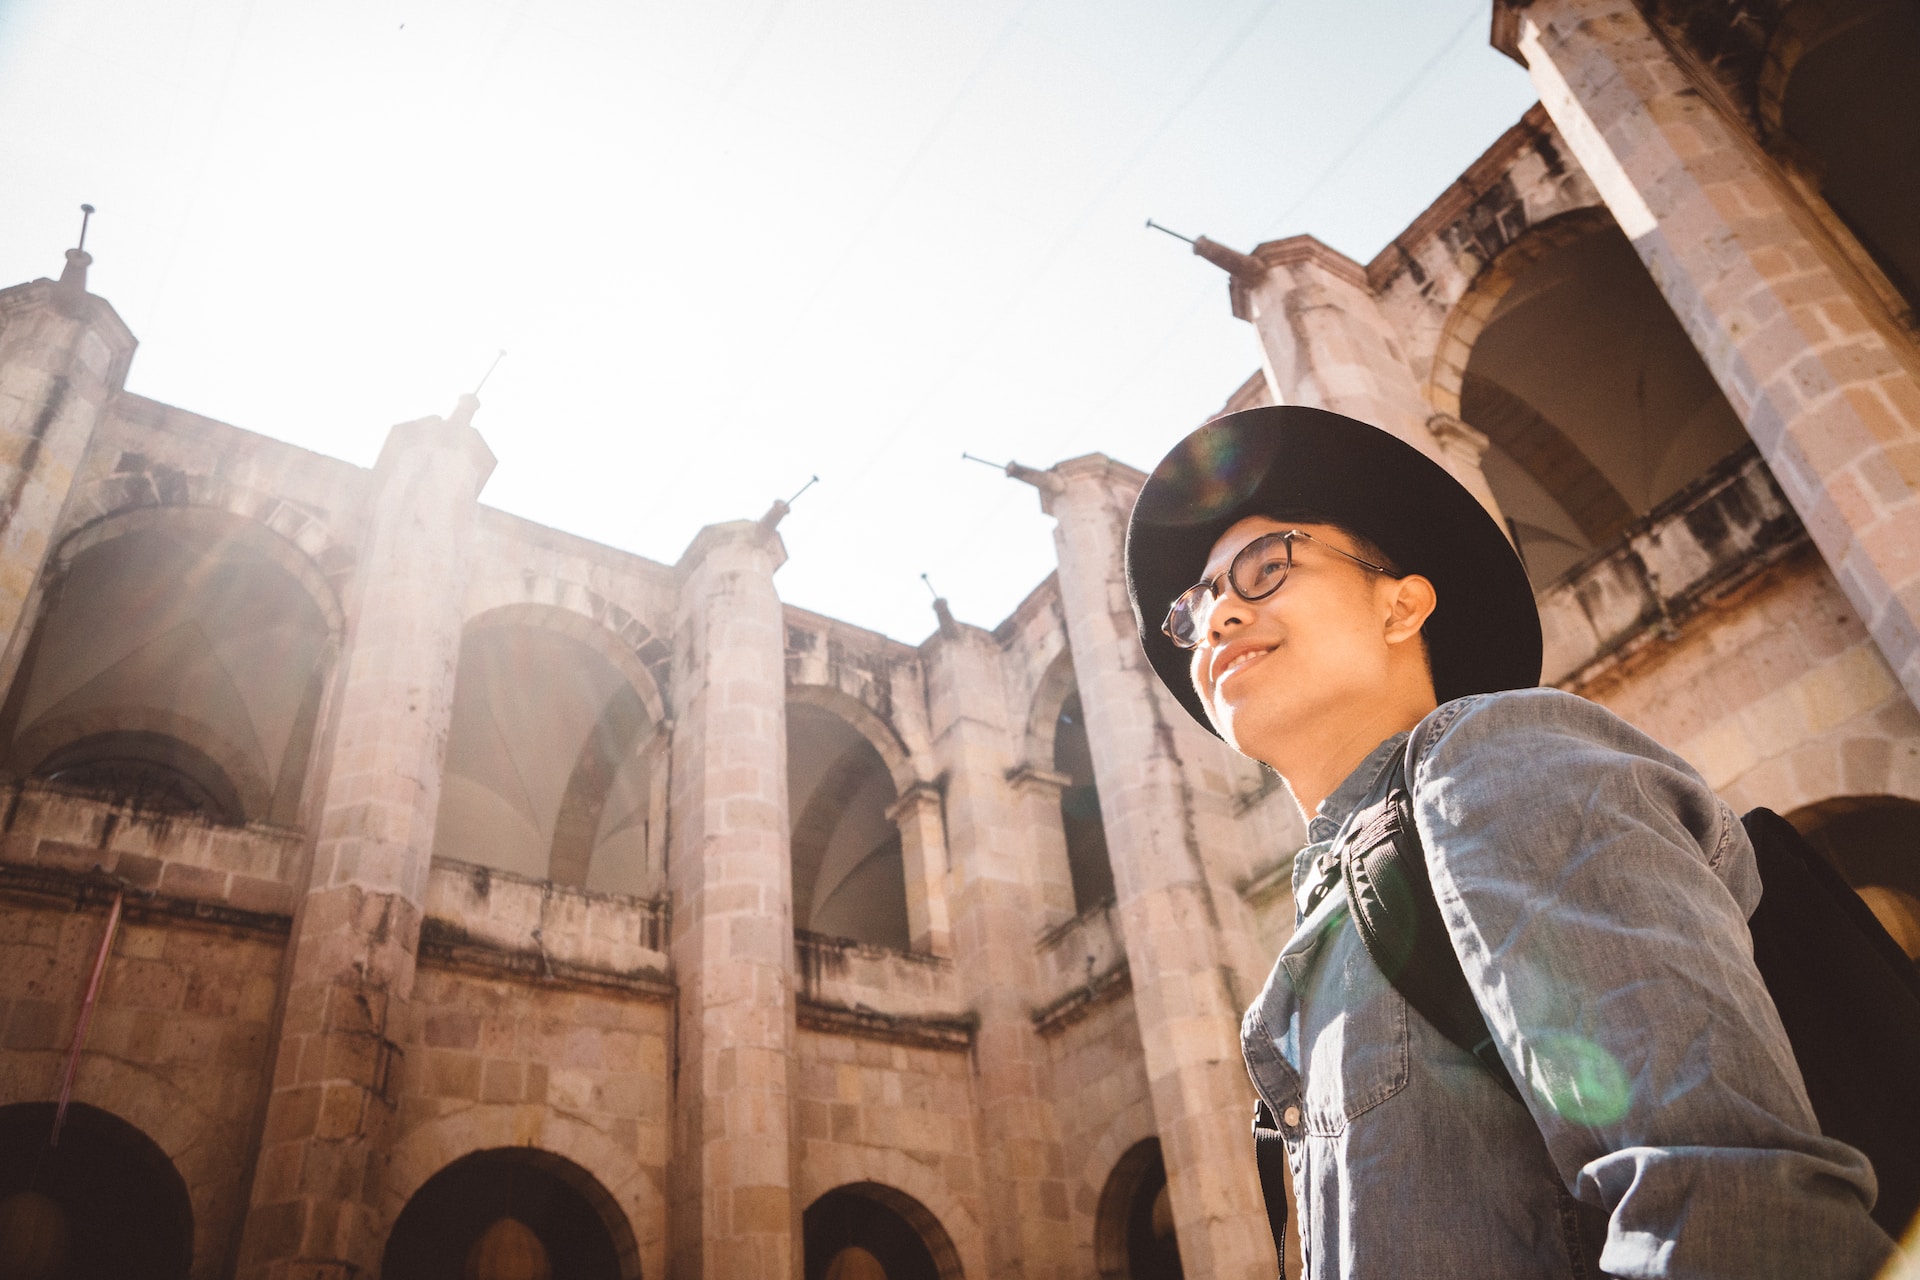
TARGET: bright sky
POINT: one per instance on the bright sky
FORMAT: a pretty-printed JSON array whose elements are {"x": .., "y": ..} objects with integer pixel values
[{"x": 727, "y": 244}]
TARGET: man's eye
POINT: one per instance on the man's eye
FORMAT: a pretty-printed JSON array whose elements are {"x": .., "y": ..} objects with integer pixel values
[{"x": 1269, "y": 570}]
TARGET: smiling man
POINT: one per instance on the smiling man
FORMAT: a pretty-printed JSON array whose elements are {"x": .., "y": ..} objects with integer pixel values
[{"x": 1331, "y": 602}]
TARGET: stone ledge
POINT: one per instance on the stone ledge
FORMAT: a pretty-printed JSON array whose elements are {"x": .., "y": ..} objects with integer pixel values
[
  {"x": 954, "y": 1032},
  {"x": 1102, "y": 988},
  {"x": 446, "y": 946},
  {"x": 79, "y": 889}
]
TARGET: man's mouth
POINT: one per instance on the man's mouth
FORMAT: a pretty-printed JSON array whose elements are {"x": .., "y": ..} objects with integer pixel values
[{"x": 1240, "y": 660}]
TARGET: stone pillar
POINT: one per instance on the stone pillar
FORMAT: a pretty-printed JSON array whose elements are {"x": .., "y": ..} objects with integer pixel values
[
  {"x": 1831, "y": 400},
  {"x": 731, "y": 880},
  {"x": 1325, "y": 343},
  {"x": 349, "y": 977},
  {"x": 995, "y": 924},
  {"x": 1037, "y": 791},
  {"x": 1189, "y": 1015},
  {"x": 63, "y": 354},
  {"x": 923, "y": 853}
]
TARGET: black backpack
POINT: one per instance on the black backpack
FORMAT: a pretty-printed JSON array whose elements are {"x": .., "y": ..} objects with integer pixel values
[{"x": 1847, "y": 994}]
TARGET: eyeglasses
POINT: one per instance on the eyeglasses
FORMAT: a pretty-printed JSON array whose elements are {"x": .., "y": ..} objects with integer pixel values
[{"x": 1257, "y": 571}]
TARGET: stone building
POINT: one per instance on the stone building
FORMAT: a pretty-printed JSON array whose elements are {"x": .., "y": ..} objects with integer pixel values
[{"x": 464, "y": 898}]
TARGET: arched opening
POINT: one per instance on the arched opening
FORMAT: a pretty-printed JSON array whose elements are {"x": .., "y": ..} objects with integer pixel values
[
  {"x": 1850, "y": 109},
  {"x": 176, "y": 668},
  {"x": 1875, "y": 843},
  {"x": 1134, "y": 1237},
  {"x": 511, "y": 1213},
  {"x": 1087, "y": 859},
  {"x": 866, "y": 1231},
  {"x": 849, "y": 878},
  {"x": 1595, "y": 401},
  {"x": 105, "y": 1204},
  {"x": 548, "y": 774}
]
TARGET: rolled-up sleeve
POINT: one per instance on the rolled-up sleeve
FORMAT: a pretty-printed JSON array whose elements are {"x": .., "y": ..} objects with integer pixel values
[{"x": 1596, "y": 891}]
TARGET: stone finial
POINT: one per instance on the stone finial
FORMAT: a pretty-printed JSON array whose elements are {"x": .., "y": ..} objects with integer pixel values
[
  {"x": 72, "y": 288},
  {"x": 948, "y": 627},
  {"x": 462, "y": 415}
]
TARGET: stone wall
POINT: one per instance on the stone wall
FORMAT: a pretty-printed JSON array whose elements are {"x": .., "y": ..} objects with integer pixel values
[{"x": 179, "y": 1040}]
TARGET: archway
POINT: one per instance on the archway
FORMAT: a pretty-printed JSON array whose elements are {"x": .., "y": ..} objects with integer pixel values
[
  {"x": 511, "y": 1213},
  {"x": 1874, "y": 841},
  {"x": 849, "y": 875},
  {"x": 1134, "y": 1236},
  {"x": 1843, "y": 107},
  {"x": 866, "y": 1231},
  {"x": 1087, "y": 859},
  {"x": 178, "y": 664},
  {"x": 1597, "y": 406},
  {"x": 105, "y": 1204},
  {"x": 548, "y": 771}
]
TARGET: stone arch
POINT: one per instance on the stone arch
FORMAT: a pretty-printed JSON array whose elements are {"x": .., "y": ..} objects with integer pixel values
[
  {"x": 1811, "y": 98},
  {"x": 160, "y": 489},
  {"x": 1056, "y": 684},
  {"x": 491, "y": 592},
  {"x": 846, "y": 841},
  {"x": 829, "y": 1167},
  {"x": 607, "y": 639},
  {"x": 1596, "y": 404},
  {"x": 121, "y": 1198},
  {"x": 230, "y": 658},
  {"x": 451, "y": 1209},
  {"x": 1067, "y": 765},
  {"x": 902, "y": 1207},
  {"x": 1135, "y": 1187},
  {"x": 1874, "y": 842},
  {"x": 555, "y": 753},
  {"x": 295, "y": 560},
  {"x": 866, "y": 722},
  {"x": 627, "y": 1193},
  {"x": 1469, "y": 315}
]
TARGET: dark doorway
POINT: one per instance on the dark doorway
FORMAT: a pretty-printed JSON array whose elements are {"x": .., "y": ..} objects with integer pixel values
[
  {"x": 512, "y": 1213},
  {"x": 106, "y": 1204},
  {"x": 850, "y": 1231},
  {"x": 1875, "y": 843},
  {"x": 1134, "y": 1237}
]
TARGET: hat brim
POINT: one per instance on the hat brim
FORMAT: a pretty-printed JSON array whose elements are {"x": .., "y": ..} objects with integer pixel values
[{"x": 1484, "y": 634}]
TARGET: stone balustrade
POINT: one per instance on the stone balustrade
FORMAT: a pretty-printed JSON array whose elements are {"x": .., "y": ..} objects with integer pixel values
[{"x": 1715, "y": 534}]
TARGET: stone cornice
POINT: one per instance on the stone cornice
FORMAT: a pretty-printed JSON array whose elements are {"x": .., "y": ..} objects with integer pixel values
[{"x": 953, "y": 1033}]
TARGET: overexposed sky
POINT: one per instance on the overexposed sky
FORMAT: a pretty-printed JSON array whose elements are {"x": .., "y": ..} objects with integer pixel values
[{"x": 727, "y": 244}]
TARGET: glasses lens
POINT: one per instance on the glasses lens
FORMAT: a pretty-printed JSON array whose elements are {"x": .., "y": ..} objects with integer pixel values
[
  {"x": 1187, "y": 620},
  {"x": 1262, "y": 566}
]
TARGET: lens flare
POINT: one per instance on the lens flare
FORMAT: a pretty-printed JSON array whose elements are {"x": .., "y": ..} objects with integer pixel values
[{"x": 1581, "y": 1081}]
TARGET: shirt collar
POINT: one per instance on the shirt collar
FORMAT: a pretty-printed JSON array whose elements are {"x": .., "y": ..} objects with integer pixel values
[{"x": 1336, "y": 808}]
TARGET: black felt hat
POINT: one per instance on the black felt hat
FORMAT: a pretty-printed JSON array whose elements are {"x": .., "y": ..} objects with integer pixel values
[{"x": 1289, "y": 461}]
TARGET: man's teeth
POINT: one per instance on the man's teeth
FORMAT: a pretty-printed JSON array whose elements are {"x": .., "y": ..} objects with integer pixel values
[{"x": 1242, "y": 661}]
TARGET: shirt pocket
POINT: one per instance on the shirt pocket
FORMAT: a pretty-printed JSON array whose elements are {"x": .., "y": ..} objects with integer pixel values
[{"x": 1353, "y": 1047}]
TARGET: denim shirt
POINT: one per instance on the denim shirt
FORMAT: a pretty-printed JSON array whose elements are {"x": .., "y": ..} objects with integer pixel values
[{"x": 1596, "y": 892}]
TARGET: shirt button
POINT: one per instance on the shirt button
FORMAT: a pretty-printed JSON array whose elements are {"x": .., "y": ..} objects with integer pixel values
[{"x": 1290, "y": 1117}]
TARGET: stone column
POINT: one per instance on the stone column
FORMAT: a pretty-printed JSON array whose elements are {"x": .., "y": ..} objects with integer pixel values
[
  {"x": 731, "y": 879},
  {"x": 923, "y": 854},
  {"x": 996, "y": 921},
  {"x": 1037, "y": 791},
  {"x": 1325, "y": 343},
  {"x": 1189, "y": 1015},
  {"x": 330, "y": 1112},
  {"x": 1830, "y": 398},
  {"x": 63, "y": 354}
]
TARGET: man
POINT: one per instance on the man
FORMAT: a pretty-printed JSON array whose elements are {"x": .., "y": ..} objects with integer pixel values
[{"x": 1328, "y": 600}]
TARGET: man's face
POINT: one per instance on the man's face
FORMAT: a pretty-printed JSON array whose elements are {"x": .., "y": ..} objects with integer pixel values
[{"x": 1294, "y": 665}]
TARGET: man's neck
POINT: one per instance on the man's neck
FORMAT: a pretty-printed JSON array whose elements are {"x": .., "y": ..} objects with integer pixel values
[{"x": 1314, "y": 770}]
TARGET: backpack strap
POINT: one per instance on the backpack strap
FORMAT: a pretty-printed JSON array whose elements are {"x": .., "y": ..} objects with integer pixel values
[
  {"x": 1391, "y": 897},
  {"x": 1270, "y": 1154}
]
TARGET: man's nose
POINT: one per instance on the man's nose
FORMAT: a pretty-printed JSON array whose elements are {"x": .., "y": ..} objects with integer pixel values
[{"x": 1228, "y": 611}]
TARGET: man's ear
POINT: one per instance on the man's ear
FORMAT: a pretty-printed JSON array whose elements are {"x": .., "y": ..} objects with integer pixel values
[{"x": 1410, "y": 603}]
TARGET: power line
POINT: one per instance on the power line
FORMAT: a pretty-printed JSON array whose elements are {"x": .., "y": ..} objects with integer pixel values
[{"x": 991, "y": 329}]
